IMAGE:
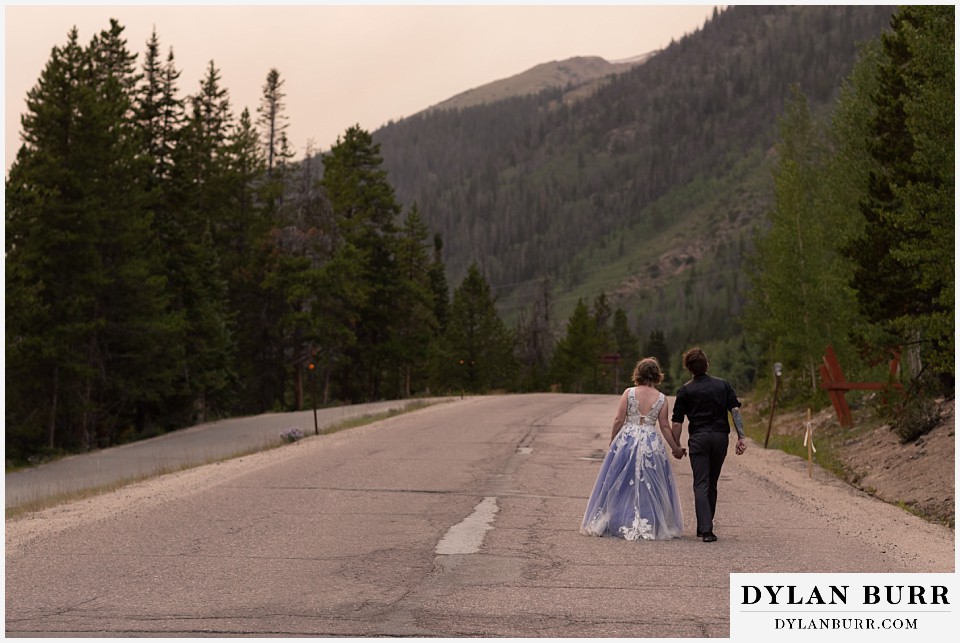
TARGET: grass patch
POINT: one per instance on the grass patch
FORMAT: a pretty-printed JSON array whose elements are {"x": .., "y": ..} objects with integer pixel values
[
  {"x": 946, "y": 521},
  {"x": 826, "y": 455},
  {"x": 829, "y": 440}
]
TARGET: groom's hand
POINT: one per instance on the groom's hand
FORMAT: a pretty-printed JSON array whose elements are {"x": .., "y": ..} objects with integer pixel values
[
  {"x": 741, "y": 446},
  {"x": 679, "y": 453}
]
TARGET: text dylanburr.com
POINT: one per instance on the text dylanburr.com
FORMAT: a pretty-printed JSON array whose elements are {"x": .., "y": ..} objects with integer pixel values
[{"x": 848, "y": 607}]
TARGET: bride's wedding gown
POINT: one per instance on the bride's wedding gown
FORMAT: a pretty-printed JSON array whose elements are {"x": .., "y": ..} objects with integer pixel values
[{"x": 635, "y": 496}]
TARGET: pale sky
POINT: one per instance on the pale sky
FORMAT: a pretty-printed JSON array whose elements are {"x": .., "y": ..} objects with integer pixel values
[{"x": 342, "y": 65}]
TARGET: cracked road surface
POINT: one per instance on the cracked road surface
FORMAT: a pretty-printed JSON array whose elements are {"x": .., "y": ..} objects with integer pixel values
[{"x": 338, "y": 535}]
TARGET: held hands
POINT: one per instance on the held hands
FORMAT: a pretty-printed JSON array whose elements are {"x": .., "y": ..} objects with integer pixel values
[
  {"x": 741, "y": 446},
  {"x": 679, "y": 452}
]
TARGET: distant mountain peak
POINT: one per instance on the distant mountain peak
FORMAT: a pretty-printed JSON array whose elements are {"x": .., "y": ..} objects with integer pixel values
[
  {"x": 635, "y": 60},
  {"x": 578, "y": 72}
]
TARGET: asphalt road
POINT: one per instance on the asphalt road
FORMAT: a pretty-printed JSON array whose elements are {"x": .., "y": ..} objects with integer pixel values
[
  {"x": 194, "y": 446},
  {"x": 460, "y": 519}
]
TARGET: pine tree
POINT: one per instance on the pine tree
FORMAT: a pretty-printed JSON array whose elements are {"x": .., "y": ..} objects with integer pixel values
[
  {"x": 200, "y": 158},
  {"x": 602, "y": 314},
  {"x": 357, "y": 185},
  {"x": 272, "y": 119},
  {"x": 209, "y": 375},
  {"x": 150, "y": 98},
  {"x": 438, "y": 284},
  {"x": 607, "y": 373},
  {"x": 191, "y": 174},
  {"x": 139, "y": 345},
  {"x": 656, "y": 346},
  {"x": 318, "y": 278},
  {"x": 241, "y": 229},
  {"x": 212, "y": 110},
  {"x": 42, "y": 222},
  {"x": 625, "y": 343},
  {"x": 112, "y": 62},
  {"x": 478, "y": 351},
  {"x": 365, "y": 208},
  {"x": 416, "y": 323},
  {"x": 279, "y": 335},
  {"x": 904, "y": 259},
  {"x": 172, "y": 115},
  {"x": 81, "y": 253},
  {"x": 188, "y": 176},
  {"x": 575, "y": 361},
  {"x": 929, "y": 199},
  {"x": 159, "y": 111},
  {"x": 238, "y": 233}
]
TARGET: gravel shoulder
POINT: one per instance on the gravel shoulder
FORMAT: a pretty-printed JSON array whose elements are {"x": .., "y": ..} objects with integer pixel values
[{"x": 919, "y": 476}]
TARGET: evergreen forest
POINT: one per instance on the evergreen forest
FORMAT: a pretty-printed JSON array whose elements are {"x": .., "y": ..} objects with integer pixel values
[{"x": 780, "y": 180}]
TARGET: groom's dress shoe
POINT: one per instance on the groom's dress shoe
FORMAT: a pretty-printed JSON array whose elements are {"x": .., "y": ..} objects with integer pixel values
[{"x": 709, "y": 537}]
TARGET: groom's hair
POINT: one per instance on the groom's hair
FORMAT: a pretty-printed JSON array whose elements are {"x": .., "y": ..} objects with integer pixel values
[{"x": 695, "y": 361}]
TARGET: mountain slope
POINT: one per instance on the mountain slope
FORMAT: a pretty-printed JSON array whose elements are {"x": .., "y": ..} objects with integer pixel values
[{"x": 648, "y": 188}]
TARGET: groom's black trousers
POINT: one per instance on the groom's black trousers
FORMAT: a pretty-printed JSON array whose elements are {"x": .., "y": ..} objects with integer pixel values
[{"x": 707, "y": 450}]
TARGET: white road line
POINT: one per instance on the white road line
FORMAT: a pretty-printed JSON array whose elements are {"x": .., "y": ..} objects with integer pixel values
[
  {"x": 524, "y": 450},
  {"x": 466, "y": 536}
]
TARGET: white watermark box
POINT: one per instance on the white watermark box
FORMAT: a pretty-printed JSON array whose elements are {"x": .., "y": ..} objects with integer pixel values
[{"x": 844, "y": 607}]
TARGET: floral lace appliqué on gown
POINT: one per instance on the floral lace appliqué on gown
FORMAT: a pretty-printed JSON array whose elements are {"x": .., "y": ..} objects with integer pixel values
[{"x": 635, "y": 496}]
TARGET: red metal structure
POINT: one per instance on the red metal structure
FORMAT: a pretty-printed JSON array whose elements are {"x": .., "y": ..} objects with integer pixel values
[{"x": 832, "y": 379}]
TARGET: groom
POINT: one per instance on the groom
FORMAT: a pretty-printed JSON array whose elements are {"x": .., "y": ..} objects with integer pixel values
[{"x": 705, "y": 400}]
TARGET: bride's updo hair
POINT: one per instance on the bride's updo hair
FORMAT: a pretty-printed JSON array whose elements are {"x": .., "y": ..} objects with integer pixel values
[{"x": 647, "y": 372}]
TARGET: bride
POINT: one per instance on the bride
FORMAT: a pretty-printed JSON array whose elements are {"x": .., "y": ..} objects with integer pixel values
[{"x": 635, "y": 496}]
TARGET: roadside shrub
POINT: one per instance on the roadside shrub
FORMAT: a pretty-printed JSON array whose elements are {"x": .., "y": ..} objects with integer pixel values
[
  {"x": 917, "y": 411},
  {"x": 291, "y": 435}
]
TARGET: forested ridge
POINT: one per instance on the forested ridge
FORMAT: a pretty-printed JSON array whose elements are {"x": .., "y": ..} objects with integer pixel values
[
  {"x": 764, "y": 186},
  {"x": 524, "y": 184}
]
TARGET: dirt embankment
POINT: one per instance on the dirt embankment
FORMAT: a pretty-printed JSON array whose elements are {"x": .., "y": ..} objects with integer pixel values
[{"x": 918, "y": 475}]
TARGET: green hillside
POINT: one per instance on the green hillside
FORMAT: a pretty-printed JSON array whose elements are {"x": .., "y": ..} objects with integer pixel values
[{"x": 647, "y": 190}]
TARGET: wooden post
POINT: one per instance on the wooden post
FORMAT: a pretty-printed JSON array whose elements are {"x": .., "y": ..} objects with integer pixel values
[
  {"x": 773, "y": 407},
  {"x": 313, "y": 396},
  {"x": 809, "y": 440}
]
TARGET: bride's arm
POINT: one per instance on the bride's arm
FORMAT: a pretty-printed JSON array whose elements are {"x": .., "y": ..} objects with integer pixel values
[
  {"x": 668, "y": 435},
  {"x": 621, "y": 416}
]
